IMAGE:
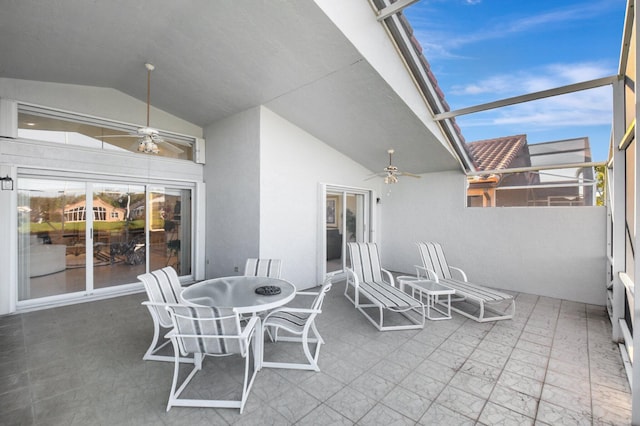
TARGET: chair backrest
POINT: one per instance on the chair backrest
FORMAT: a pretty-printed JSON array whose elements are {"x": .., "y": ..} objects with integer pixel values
[
  {"x": 168, "y": 279},
  {"x": 365, "y": 261},
  {"x": 162, "y": 286},
  {"x": 433, "y": 258},
  {"x": 207, "y": 330},
  {"x": 263, "y": 268},
  {"x": 319, "y": 300}
]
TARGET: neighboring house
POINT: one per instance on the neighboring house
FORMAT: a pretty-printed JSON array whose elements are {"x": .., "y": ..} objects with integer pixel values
[
  {"x": 569, "y": 186},
  {"x": 102, "y": 211},
  {"x": 493, "y": 155}
]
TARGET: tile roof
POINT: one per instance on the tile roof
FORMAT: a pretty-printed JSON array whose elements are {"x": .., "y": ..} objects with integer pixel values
[
  {"x": 426, "y": 67},
  {"x": 497, "y": 153}
]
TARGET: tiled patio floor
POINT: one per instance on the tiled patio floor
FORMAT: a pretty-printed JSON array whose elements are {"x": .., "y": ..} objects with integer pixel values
[{"x": 554, "y": 363}]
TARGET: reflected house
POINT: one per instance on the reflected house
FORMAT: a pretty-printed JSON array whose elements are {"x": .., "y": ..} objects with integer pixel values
[
  {"x": 521, "y": 185},
  {"x": 102, "y": 211}
]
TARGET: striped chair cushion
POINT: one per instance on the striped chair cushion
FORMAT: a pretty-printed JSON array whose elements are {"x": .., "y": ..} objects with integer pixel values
[
  {"x": 293, "y": 321},
  {"x": 475, "y": 291},
  {"x": 365, "y": 261},
  {"x": 263, "y": 268},
  {"x": 201, "y": 329},
  {"x": 388, "y": 296},
  {"x": 160, "y": 291},
  {"x": 433, "y": 258}
]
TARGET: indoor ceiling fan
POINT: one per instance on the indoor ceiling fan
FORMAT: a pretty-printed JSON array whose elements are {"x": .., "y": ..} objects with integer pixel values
[
  {"x": 148, "y": 138},
  {"x": 391, "y": 172}
]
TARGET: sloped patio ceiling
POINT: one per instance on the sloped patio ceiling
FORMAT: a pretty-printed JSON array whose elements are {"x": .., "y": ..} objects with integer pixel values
[{"x": 214, "y": 59}]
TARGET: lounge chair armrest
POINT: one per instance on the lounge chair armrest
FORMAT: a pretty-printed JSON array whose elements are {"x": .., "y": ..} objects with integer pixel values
[
  {"x": 459, "y": 271},
  {"x": 389, "y": 277},
  {"x": 427, "y": 273},
  {"x": 307, "y": 293},
  {"x": 352, "y": 278}
]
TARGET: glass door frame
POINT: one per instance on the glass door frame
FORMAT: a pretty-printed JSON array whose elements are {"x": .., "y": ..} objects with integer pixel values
[
  {"x": 368, "y": 224},
  {"x": 89, "y": 181}
]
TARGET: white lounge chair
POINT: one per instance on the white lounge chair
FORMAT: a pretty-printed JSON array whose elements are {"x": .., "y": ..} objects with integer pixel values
[
  {"x": 474, "y": 301},
  {"x": 299, "y": 322},
  {"x": 365, "y": 276},
  {"x": 263, "y": 268},
  {"x": 203, "y": 331}
]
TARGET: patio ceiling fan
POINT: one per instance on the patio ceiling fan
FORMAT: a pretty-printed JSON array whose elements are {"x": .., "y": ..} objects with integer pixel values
[
  {"x": 391, "y": 172},
  {"x": 148, "y": 138}
]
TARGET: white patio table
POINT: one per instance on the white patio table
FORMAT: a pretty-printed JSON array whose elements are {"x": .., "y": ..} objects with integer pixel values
[
  {"x": 239, "y": 293},
  {"x": 434, "y": 292}
]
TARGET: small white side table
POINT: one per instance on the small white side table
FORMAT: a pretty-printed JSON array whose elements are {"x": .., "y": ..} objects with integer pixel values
[{"x": 436, "y": 294}]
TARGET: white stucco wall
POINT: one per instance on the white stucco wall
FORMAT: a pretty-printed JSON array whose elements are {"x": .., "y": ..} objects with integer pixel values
[
  {"x": 557, "y": 252},
  {"x": 232, "y": 175},
  {"x": 292, "y": 165}
]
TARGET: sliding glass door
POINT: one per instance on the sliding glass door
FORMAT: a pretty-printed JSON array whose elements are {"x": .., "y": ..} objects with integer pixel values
[
  {"x": 346, "y": 220},
  {"x": 81, "y": 237}
]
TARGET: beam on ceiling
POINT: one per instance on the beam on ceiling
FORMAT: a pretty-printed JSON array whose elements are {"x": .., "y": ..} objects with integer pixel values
[
  {"x": 585, "y": 85},
  {"x": 537, "y": 168},
  {"x": 394, "y": 8}
]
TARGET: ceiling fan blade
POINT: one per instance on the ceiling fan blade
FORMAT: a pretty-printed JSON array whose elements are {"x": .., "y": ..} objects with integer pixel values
[
  {"x": 375, "y": 175},
  {"x": 116, "y": 136},
  {"x": 168, "y": 145},
  {"x": 409, "y": 174},
  {"x": 174, "y": 141}
]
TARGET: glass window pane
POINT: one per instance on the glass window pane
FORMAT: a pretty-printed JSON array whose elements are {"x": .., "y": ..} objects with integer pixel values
[
  {"x": 119, "y": 249},
  {"x": 55, "y": 129},
  {"x": 51, "y": 238},
  {"x": 170, "y": 230}
]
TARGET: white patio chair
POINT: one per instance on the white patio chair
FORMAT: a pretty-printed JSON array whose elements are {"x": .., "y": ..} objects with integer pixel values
[
  {"x": 474, "y": 301},
  {"x": 203, "y": 331},
  {"x": 163, "y": 288},
  {"x": 299, "y": 322},
  {"x": 365, "y": 276},
  {"x": 263, "y": 268}
]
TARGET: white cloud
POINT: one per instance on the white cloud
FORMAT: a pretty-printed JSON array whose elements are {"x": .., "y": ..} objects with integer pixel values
[{"x": 533, "y": 80}]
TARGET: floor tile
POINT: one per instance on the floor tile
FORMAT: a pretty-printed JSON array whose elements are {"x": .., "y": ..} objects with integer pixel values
[
  {"x": 462, "y": 402},
  {"x": 494, "y": 414},
  {"x": 351, "y": 403},
  {"x": 407, "y": 403},
  {"x": 478, "y": 386},
  {"x": 440, "y": 415},
  {"x": 556, "y": 415},
  {"x": 382, "y": 415},
  {"x": 520, "y": 383},
  {"x": 573, "y": 400},
  {"x": 515, "y": 401},
  {"x": 294, "y": 404}
]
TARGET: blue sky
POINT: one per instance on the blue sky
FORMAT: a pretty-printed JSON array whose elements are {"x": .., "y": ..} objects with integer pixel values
[{"x": 485, "y": 50}]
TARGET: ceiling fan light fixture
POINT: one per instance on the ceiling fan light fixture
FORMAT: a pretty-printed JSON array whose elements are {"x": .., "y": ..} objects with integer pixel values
[
  {"x": 148, "y": 146},
  {"x": 390, "y": 178}
]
